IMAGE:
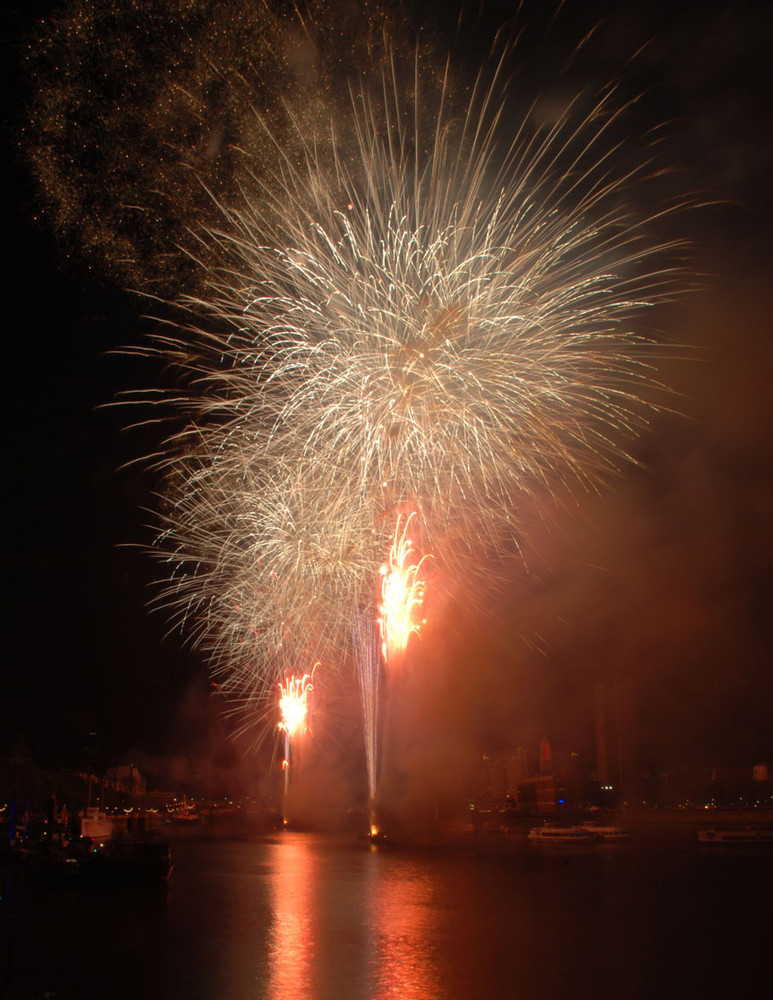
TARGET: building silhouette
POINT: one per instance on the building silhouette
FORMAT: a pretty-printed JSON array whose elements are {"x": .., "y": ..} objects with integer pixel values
[
  {"x": 616, "y": 757},
  {"x": 543, "y": 781}
]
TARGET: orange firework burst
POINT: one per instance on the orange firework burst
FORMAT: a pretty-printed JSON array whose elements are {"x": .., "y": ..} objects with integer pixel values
[
  {"x": 293, "y": 704},
  {"x": 402, "y": 592}
]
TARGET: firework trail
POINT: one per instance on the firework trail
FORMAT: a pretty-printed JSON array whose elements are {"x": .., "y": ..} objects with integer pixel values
[{"x": 368, "y": 666}]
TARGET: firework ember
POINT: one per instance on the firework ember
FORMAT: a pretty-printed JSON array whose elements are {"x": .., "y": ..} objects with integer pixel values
[
  {"x": 294, "y": 709},
  {"x": 294, "y": 705},
  {"x": 402, "y": 592}
]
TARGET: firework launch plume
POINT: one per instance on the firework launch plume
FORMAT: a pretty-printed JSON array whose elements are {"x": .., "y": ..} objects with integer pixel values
[
  {"x": 294, "y": 710},
  {"x": 368, "y": 666}
]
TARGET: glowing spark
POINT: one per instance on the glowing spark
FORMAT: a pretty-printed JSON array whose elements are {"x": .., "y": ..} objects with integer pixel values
[
  {"x": 402, "y": 592},
  {"x": 293, "y": 704}
]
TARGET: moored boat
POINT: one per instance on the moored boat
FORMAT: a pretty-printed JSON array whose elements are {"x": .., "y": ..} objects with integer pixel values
[
  {"x": 129, "y": 861},
  {"x": 750, "y": 835},
  {"x": 554, "y": 834},
  {"x": 608, "y": 833},
  {"x": 52, "y": 863},
  {"x": 95, "y": 824},
  {"x": 116, "y": 861}
]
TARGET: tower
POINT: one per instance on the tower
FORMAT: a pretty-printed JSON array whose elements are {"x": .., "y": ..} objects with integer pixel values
[
  {"x": 616, "y": 763},
  {"x": 544, "y": 755}
]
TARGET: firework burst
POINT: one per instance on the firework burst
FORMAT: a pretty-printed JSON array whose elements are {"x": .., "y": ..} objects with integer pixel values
[{"x": 439, "y": 317}]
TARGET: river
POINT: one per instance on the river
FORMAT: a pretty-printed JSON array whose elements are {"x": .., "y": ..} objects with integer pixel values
[{"x": 302, "y": 916}]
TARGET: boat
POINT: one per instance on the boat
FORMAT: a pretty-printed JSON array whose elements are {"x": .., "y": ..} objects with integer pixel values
[
  {"x": 554, "y": 834},
  {"x": 608, "y": 834},
  {"x": 123, "y": 861},
  {"x": 52, "y": 863},
  {"x": 736, "y": 835},
  {"x": 95, "y": 824},
  {"x": 128, "y": 861}
]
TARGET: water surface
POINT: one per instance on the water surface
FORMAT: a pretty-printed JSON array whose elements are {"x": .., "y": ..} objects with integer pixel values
[{"x": 311, "y": 917}]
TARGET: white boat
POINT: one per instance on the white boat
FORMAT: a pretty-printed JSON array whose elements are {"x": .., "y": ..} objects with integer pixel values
[
  {"x": 736, "y": 835},
  {"x": 95, "y": 824},
  {"x": 608, "y": 833},
  {"x": 553, "y": 834}
]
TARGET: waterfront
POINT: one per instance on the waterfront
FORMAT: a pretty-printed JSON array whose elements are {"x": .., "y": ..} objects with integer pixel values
[{"x": 300, "y": 915}]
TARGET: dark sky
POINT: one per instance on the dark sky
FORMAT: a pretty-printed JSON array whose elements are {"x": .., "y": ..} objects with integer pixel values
[{"x": 667, "y": 576}]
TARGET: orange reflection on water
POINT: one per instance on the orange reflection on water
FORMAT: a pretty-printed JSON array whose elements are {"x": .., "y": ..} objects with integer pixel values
[
  {"x": 405, "y": 963},
  {"x": 372, "y": 912},
  {"x": 291, "y": 938}
]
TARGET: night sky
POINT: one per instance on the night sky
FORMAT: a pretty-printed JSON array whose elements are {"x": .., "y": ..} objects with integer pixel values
[{"x": 666, "y": 576}]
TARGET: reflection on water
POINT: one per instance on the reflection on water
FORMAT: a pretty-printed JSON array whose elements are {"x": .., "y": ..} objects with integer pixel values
[
  {"x": 401, "y": 915},
  {"x": 344, "y": 908},
  {"x": 292, "y": 942},
  {"x": 305, "y": 917}
]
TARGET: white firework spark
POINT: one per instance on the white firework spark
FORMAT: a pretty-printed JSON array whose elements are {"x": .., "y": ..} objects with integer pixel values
[{"x": 443, "y": 317}]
